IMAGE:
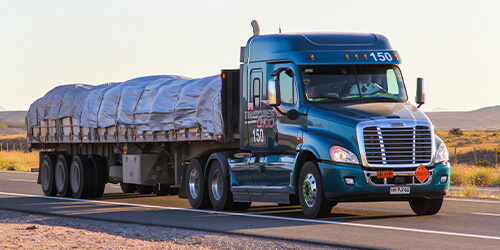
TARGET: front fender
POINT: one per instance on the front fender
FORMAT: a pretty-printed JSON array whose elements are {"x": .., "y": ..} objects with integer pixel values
[{"x": 318, "y": 141}]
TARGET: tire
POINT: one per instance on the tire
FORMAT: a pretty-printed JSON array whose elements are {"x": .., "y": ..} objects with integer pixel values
[
  {"x": 196, "y": 186},
  {"x": 423, "y": 206},
  {"x": 47, "y": 169},
  {"x": 80, "y": 177},
  {"x": 161, "y": 189},
  {"x": 128, "y": 188},
  {"x": 312, "y": 198},
  {"x": 221, "y": 197},
  {"x": 143, "y": 189},
  {"x": 61, "y": 176},
  {"x": 99, "y": 168}
]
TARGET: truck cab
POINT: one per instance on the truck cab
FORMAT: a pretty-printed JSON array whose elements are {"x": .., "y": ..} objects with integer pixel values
[{"x": 325, "y": 118}]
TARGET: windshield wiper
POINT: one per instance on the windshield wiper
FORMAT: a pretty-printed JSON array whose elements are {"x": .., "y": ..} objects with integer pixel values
[
  {"x": 327, "y": 98},
  {"x": 381, "y": 98}
]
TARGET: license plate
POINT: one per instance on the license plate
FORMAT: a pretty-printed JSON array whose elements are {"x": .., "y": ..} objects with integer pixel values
[{"x": 400, "y": 190}]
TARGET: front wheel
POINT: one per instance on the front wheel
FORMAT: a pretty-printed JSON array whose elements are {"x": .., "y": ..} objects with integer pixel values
[
  {"x": 423, "y": 206},
  {"x": 312, "y": 198}
]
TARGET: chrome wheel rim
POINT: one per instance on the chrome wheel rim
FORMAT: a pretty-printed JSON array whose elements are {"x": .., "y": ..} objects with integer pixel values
[
  {"x": 45, "y": 177},
  {"x": 75, "y": 177},
  {"x": 309, "y": 190},
  {"x": 217, "y": 184},
  {"x": 60, "y": 176},
  {"x": 194, "y": 183}
]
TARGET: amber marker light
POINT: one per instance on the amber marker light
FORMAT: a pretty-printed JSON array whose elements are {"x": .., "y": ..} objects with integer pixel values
[
  {"x": 366, "y": 58},
  {"x": 299, "y": 138},
  {"x": 396, "y": 56},
  {"x": 347, "y": 57},
  {"x": 356, "y": 56},
  {"x": 219, "y": 137},
  {"x": 312, "y": 57}
]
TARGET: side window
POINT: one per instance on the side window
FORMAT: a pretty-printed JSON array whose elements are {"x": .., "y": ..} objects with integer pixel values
[
  {"x": 288, "y": 87},
  {"x": 256, "y": 93}
]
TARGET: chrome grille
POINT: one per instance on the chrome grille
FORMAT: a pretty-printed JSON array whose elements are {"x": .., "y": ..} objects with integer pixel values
[{"x": 398, "y": 146}]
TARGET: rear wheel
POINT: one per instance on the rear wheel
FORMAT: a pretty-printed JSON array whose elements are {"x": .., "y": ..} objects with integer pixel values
[
  {"x": 128, "y": 188},
  {"x": 143, "y": 189},
  {"x": 47, "y": 168},
  {"x": 80, "y": 177},
  {"x": 219, "y": 189},
  {"x": 197, "y": 192},
  {"x": 312, "y": 198},
  {"x": 61, "y": 176},
  {"x": 99, "y": 168},
  {"x": 161, "y": 189},
  {"x": 423, "y": 206}
]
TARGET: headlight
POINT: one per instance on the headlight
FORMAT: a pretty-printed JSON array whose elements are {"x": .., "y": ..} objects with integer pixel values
[
  {"x": 442, "y": 153},
  {"x": 340, "y": 154}
]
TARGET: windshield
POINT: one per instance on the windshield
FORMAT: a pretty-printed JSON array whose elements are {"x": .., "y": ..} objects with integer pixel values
[{"x": 353, "y": 83}]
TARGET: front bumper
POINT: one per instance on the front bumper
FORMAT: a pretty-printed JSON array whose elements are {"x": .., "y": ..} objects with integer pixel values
[{"x": 336, "y": 189}]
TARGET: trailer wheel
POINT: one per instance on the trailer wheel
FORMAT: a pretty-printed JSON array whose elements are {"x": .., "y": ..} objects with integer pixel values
[
  {"x": 98, "y": 165},
  {"x": 143, "y": 189},
  {"x": 312, "y": 198},
  {"x": 80, "y": 177},
  {"x": 61, "y": 175},
  {"x": 127, "y": 188},
  {"x": 161, "y": 189},
  {"x": 423, "y": 206},
  {"x": 47, "y": 168},
  {"x": 219, "y": 189},
  {"x": 197, "y": 192}
]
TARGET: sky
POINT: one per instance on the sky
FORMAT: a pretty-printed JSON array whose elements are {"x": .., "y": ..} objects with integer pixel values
[{"x": 454, "y": 45}]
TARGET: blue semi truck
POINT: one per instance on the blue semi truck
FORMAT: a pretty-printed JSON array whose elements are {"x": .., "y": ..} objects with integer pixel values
[{"x": 310, "y": 118}]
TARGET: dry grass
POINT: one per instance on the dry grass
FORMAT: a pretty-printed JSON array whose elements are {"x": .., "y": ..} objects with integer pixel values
[
  {"x": 469, "y": 178},
  {"x": 481, "y": 140},
  {"x": 12, "y": 137},
  {"x": 18, "y": 160}
]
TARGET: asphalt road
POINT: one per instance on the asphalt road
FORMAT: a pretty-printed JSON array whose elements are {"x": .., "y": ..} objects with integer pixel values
[{"x": 461, "y": 223}]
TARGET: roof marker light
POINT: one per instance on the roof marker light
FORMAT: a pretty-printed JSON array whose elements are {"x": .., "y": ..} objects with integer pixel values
[
  {"x": 396, "y": 56},
  {"x": 366, "y": 58},
  {"x": 356, "y": 56},
  {"x": 312, "y": 57},
  {"x": 347, "y": 57}
]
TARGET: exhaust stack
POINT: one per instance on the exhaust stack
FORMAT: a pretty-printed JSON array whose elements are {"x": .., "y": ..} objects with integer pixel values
[{"x": 256, "y": 28}]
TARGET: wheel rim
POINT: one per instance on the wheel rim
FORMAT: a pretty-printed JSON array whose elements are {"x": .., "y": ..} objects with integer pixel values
[
  {"x": 194, "y": 183},
  {"x": 45, "y": 178},
  {"x": 309, "y": 190},
  {"x": 217, "y": 184},
  {"x": 60, "y": 176},
  {"x": 75, "y": 177}
]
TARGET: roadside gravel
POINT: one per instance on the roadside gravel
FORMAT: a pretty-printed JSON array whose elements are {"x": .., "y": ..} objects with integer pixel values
[{"x": 33, "y": 231}]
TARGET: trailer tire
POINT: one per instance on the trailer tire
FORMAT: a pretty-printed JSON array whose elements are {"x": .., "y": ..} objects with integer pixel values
[
  {"x": 196, "y": 186},
  {"x": 423, "y": 206},
  {"x": 80, "y": 177},
  {"x": 61, "y": 175},
  {"x": 47, "y": 168},
  {"x": 312, "y": 199},
  {"x": 143, "y": 189},
  {"x": 161, "y": 189},
  {"x": 221, "y": 197},
  {"x": 127, "y": 188},
  {"x": 98, "y": 165}
]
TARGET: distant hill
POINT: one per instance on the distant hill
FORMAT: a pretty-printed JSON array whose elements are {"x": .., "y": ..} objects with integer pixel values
[
  {"x": 2, "y": 109},
  {"x": 13, "y": 116},
  {"x": 481, "y": 119}
]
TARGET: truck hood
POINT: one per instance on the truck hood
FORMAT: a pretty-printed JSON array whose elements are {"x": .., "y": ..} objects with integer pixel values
[{"x": 368, "y": 111}]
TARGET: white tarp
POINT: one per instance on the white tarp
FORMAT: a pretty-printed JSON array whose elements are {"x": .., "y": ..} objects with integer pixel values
[{"x": 153, "y": 103}]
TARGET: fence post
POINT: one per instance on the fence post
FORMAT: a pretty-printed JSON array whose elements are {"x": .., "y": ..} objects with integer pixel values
[
  {"x": 496, "y": 157},
  {"x": 456, "y": 156},
  {"x": 7, "y": 146},
  {"x": 1, "y": 146}
]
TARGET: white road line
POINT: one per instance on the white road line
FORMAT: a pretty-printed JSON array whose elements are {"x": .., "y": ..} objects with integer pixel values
[
  {"x": 469, "y": 200},
  {"x": 17, "y": 172},
  {"x": 21, "y": 180},
  {"x": 267, "y": 217},
  {"x": 487, "y": 214}
]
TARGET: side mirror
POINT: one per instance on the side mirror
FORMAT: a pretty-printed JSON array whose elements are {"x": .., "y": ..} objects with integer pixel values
[
  {"x": 420, "y": 98},
  {"x": 273, "y": 88}
]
